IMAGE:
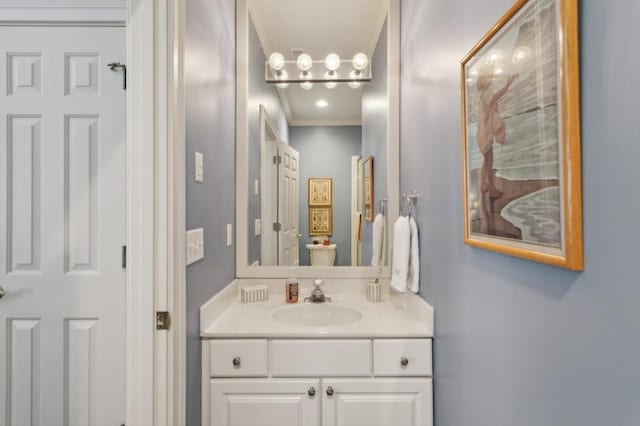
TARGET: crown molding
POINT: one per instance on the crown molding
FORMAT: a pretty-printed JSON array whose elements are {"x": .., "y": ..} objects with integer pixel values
[{"x": 67, "y": 11}]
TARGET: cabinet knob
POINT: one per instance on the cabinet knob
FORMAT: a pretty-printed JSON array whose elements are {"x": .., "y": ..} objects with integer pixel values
[
  {"x": 311, "y": 391},
  {"x": 330, "y": 391},
  {"x": 404, "y": 361},
  {"x": 237, "y": 362}
]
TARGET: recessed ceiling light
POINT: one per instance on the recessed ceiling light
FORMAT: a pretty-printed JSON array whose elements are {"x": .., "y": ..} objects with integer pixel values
[{"x": 322, "y": 103}]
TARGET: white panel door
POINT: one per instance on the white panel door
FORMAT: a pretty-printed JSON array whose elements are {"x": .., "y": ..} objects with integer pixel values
[
  {"x": 255, "y": 402},
  {"x": 62, "y": 225},
  {"x": 377, "y": 402},
  {"x": 288, "y": 196}
]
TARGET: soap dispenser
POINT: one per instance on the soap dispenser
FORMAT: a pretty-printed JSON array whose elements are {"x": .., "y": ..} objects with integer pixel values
[{"x": 291, "y": 289}]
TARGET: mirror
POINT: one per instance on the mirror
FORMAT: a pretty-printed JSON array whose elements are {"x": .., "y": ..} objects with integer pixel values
[{"x": 314, "y": 108}]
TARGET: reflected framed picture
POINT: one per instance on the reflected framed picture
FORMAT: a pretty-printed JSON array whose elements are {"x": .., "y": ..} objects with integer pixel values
[
  {"x": 367, "y": 185},
  {"x": 320, "y": 220},
  {"x": 521, "y": 136},
  {"x": 320, "y": 191}
]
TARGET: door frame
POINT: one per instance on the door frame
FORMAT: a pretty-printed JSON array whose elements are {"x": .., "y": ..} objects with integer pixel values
[{"x": 156, "y": 259}]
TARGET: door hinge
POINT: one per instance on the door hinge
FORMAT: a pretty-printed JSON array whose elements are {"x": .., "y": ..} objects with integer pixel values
[
  {"x": 123, "y": 257},
  {"x": 277, "y": 159},
  {"x": 277, "y": 226},
  {"x": 163, "y": 320}
]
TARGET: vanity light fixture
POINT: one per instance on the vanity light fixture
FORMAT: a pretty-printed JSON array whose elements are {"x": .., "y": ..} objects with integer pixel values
[
  {"x": 321, "y": 103},
  {"x": 305, "y": 71}
]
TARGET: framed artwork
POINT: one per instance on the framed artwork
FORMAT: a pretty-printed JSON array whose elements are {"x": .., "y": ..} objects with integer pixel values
[
  {"x": 320, "y": 191},
  {"x": 521, "y": 136},
  {"x": 320, "y": 220},
  {"x": 368, "y": 189}
]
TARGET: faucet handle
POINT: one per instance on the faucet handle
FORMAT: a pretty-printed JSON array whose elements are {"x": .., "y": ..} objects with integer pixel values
[{"x": 318, "y": 283}]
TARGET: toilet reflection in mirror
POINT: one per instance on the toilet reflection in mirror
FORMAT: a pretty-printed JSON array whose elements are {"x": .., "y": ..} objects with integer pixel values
[{"x": 317, "y": 112}]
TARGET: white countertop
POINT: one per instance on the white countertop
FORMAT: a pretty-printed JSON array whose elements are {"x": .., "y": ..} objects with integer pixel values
[{"x": 398, "y": 315}]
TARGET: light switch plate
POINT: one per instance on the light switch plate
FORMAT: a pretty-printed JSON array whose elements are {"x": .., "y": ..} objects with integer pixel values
[
  {"x": 257, "y": 227},
  {"x": 229, "y": 234},
  {"x": 199, "y": 167},
  {"x": 195, "y": 245}
]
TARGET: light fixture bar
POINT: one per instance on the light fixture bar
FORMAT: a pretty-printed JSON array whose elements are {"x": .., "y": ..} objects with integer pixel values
[{"x": 290, "y": 73}]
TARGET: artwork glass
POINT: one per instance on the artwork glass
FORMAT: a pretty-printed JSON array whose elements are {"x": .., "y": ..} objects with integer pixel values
[{"x": 517, "y": 140}]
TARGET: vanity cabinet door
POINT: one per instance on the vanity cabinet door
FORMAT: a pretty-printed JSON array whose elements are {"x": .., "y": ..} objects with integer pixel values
[
  {"x": 261, "y": 402},
  {"x": 377, "y": 402}
]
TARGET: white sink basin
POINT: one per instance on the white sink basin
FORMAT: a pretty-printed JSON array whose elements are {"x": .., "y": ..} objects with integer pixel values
[{"x": 317, "y": 314}]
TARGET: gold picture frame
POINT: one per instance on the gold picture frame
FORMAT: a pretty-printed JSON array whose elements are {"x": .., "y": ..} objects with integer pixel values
[
  {"x": 320, "y": 221},
  {"x": 320, "y": 192},
  {"x": 367, "y": 188},
  {"x": 521, "y": 136}
]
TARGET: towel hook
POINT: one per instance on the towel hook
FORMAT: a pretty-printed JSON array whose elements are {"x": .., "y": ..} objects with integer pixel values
[
  {"x": 411, "y": 199},
  {"x": 381, "y": 205}
]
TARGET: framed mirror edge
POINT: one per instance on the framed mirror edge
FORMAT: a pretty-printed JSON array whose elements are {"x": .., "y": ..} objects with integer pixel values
[{"x": 243, "y": 269}]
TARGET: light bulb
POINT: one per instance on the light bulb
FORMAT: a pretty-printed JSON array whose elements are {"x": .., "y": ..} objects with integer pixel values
[
  {"x": 283, "y": 76},
  {"x": 330, "y": 84},
  {"x": 520, "y": 54},
  {"x": 321, "y": 103},
  {"x": 276, "y": 61},
  {"x": 332, "y": 62},
  {"x": 307, "y": 85},
  {"x": 305, "y": 62},
  {"x": 495, "y": 57},
  {"x": 360, "y": 61}
]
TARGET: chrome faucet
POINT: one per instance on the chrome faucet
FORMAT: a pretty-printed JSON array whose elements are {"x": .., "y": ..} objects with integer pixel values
[{"x": 317, "y": 295}]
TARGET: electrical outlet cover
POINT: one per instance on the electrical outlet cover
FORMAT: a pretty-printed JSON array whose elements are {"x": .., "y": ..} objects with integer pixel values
[{"x": 195, "y": 245}]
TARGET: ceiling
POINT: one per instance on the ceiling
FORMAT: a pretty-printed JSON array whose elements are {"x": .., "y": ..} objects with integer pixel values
[{"x": 319, "y": 27}]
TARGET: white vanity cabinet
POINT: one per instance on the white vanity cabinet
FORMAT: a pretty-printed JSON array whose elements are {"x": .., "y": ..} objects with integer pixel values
[
  {"x": 317, "y": 382},
  {"x": 264, "y": 402}
]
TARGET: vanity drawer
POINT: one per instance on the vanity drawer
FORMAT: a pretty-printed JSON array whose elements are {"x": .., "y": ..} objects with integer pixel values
[
  {"x": 312, "y": 358},
  {"x": 238, "y": 358},
  {"x": 402, "y": 357}
]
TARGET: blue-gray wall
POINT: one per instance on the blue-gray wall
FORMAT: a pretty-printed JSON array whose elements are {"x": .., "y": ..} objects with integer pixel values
[
  {"x": 519, "y": 343},
  {"x": 210, "y": 102},
  {"x": 374, "y": 134},
  {"x": 260, "y": 93},
  {"x": 326, "y": 151}
]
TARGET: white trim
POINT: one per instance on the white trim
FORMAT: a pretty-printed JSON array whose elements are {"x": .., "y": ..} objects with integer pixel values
[
  {"x": 156, "y": 369},
  {"x": 140, "y": 214},
  {"x": 63, "y": 11},
  {"x": 243, "y": 269}
]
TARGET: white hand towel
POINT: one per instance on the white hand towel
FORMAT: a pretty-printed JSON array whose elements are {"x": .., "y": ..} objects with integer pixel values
[
  {"x": 379, "y": 245},
  {"x": 414, "y": 259},
  {"x": 401, "y": 242}
]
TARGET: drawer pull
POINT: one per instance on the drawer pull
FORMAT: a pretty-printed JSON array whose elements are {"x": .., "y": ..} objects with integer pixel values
[
  {"x": 311, "y": 391},
  {"x": 330, "y": 391},
  {"x": 404, "y": 361},
  {"x": 237, "y": 362}
]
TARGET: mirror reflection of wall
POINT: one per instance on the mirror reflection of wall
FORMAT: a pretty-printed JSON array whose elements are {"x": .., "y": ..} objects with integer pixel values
[{"x": 314, "y": 130}]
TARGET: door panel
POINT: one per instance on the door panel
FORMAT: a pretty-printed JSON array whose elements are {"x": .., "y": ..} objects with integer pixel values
[
  {"x": 62, "y": 225},
  {"x": 255, "y": 402},
  {"x": 288, "y": 206},
  {"x": 377, "y": 402}
]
